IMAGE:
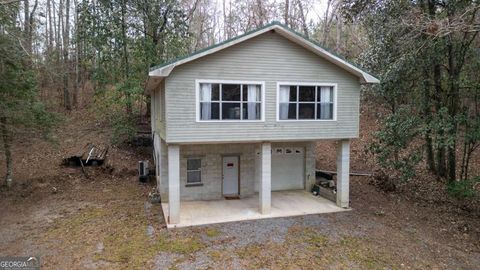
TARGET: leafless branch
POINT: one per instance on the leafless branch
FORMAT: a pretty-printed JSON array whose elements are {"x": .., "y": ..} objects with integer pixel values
[{"x": 6, "y": 2}]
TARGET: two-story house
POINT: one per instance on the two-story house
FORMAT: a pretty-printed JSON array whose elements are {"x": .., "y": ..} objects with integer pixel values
[{"x": 242, "y": 117}]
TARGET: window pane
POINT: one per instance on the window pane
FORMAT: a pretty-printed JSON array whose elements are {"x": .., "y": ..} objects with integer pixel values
[
  {"x": 230, "y": 111},
  {"x": 283, "y": 111},
  {"x": 215, "y": 111},
  {"x": 209, "y": 111},
  {"x": 194, "y": 164},
  {"x": 194, "y": 177},
  {"x": 293, "y": 93},
  {"x": 288, "y": 111},
  {"x": 245, "y": 92},
  {"x": 251, "y": 92},
  {"x": 306, "y": 111},
  {"x": 325, "y": 111},
  {"x": 206, "y": 92},
  {"x": 251, "y": 111},
  {"x": 325, "y": 94},
  {"x": 215, "y": 91},
  {"x": 231, "y": 92},
  {"x": 307, "y": 93},
  {"x": 292, "y": 111}
]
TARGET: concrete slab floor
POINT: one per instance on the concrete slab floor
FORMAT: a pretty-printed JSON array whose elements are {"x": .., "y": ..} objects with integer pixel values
[{"x": 284, "y": 204}]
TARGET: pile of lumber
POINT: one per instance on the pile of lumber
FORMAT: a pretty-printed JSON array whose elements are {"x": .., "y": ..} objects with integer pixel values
[
  {"x": 329, "y": 174},
  {"x": 89, "y": 155}
]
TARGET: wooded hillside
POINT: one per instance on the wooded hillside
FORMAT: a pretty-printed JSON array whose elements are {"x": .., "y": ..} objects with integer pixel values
[{"x": 59, "y": 56}]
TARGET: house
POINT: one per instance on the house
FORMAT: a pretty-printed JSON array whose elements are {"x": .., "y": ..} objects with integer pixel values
[{"x": 242, "y": 117}]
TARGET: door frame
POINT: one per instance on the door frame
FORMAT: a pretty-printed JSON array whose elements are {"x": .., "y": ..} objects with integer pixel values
[{"x": 238, "y": 176}]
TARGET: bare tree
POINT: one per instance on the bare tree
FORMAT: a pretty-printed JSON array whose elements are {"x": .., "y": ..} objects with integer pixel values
[
  {"x": 49, "y": 26},
  {"x": 326, "y": 22},
  {"x": 302, "y": 18},
  {"x": 66, "y": 39},
  {"x": 286, "y": 12},
  {"x": 261, "y": 18},
  {"x": 76, "y": 82},
  {"x": 28, "y": 24},
  {"x": 338, "y": 34}
]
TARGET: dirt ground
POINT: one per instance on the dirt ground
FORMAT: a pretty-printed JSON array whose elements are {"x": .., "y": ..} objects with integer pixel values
[{"x": 105, "y": 221}]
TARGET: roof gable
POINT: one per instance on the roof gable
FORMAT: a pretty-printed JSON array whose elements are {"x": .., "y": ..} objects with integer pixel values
[{"x": 157, "y": 73}]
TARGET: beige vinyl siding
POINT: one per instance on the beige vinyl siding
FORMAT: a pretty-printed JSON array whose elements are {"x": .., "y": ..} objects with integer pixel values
[
  {"x": 159, "y": 111},
  {"x": 269, "y": 58}
]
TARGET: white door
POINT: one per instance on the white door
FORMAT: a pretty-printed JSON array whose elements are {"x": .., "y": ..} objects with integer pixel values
[
  {"x": 288, "y": 168},
  {"x": 230, "y": 175}
]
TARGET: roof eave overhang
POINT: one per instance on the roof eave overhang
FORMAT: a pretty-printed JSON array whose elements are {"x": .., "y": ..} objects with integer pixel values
[
  {"x": 160, "y": 73},
  {"x": 152, "y": 83},
  {"x": 362, "y": 75}
]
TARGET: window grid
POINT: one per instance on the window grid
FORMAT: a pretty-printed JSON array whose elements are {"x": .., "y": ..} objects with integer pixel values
[
  {"x": 199, "y": 170},
  {"x": 241, "y": 101},
  {"x": 316, "y": 103}
]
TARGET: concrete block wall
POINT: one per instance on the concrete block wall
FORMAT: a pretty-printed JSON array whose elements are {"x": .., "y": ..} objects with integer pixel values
[
  {"x": 310, "y": 165},
  {"x": 211, "y": 156}
]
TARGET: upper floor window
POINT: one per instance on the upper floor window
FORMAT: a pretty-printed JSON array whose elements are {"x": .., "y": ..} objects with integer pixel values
[
  {"x": 306, "y": 102},
  {"x": 230, "y": 101}
]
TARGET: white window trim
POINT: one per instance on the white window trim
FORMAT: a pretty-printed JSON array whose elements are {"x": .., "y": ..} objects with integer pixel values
[
  {"x": 197, "y": 100},
  {"x": 334, "y": 85},
  {"x": 199, "y": 170}
]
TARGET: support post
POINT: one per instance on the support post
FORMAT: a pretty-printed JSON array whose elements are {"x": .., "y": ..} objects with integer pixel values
[
  {"x": 157, "y": 154},
  {"x": 173, "y": 184},
  {"x": 343, "y": 173},
  {"x": 266, "y": 179}
]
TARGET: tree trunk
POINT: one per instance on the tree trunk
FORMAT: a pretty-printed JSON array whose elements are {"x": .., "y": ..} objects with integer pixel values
[
  {"x": 339, "y": 34},
  {"x": 50, "y": 28},
  {"x": 428, "y": 117},
  {"x": 27, "y": 27},
  {"x": 286, "y": 14},
  {"x": 7, "y": 144},
  {"x": 125, "y": 54},
  {"x": 58, "y": 51},
  {"x": 464, "y": 166},
  {"x": 453, "y": 103},
  {"x": 302, "y": 18},
  {"x": 453, "y": 110},
  {"x": 261, "y": 14},
  {"x": 471, "y": 149},
  {"x": 326, "y": 25},
  {"x": 66, "y": 34},
  {"x": 30, "y": 27},
  {"x": 452, "y": 163},
  {"x": 76, "y": 82},
  {"x": 226, "y": 30},
  {"x": 437, "y": 81},
  {"x": 55, "y": 29},
  {"x": 441, "y": 166}
]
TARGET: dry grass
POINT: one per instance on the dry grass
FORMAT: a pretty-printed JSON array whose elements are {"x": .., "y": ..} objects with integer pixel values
[{"x": 120, "y": 226}]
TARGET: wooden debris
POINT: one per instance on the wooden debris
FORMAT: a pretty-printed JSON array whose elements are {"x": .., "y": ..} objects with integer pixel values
[
  {"x": 89, "y": 155},
  {"x": 83, "y": 168},
  {"x": 351, "y": 173},
  {"x": 323, "y": 174}
]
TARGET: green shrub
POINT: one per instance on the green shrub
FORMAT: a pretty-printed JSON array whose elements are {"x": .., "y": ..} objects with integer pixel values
[
  {"x": 394, "y": 148},
  {"x": 465, "y": 188},
  {"x": 120, "y": 107}
]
